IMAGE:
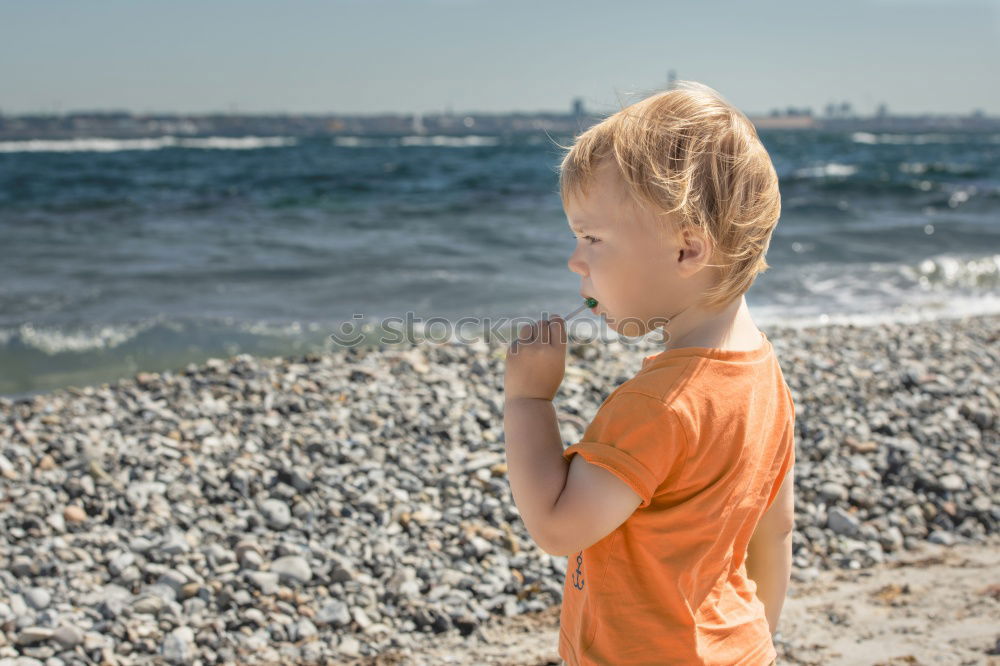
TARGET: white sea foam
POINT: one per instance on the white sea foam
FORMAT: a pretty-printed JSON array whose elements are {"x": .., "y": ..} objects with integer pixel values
[
  {"x": 104, "y": 145},
  {"x": 939, "y": 287},
  {"x": 266, "y": 328},
  {"x": 353, "y": 142},
  {"x": 826, "y": 170},
  {"x": 914, "y": 311},
  {"x": 52, "y": 340},
  {"x": 948, "y": 272},
  {"x": 917, "y": 139},
  {"x": 238, "y": 143},
  {"x": 469, "y": 141}
]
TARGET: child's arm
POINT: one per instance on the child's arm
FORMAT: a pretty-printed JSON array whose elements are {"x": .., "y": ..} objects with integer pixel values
[
  {"x": 769, "y": 564},
  {"x": 769, "y": 554},
  {"x": 535, "y": 465},
  {"x": 536, "y": 363}
]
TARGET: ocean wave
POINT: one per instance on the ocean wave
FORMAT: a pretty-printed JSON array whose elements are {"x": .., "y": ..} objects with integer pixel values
[
  {"x": 918, "y": 139},
  {"x": 104, "y": 145},
  {"x": 937, "y": 287},
  {"x": 276, "y": 329},
  {"x": 53, "y": 340},
  {"x": 470, "y": 141},
  {"x": 949, "y": 272},
  {"x": 845, "y": 284},
  {"x": 919, "y": 168},
  {"x": 826, "y": 170},
  {"x": 913, "y": 312}
]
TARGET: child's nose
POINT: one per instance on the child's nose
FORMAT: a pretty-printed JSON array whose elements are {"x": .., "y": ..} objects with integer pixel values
[{"x": 576, "y": 264}]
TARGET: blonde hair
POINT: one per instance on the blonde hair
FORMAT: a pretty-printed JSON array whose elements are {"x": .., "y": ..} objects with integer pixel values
[{"x": 689, "y": 154}]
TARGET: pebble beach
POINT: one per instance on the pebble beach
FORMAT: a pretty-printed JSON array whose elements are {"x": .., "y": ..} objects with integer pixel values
[{"x": 352, "y": 507}]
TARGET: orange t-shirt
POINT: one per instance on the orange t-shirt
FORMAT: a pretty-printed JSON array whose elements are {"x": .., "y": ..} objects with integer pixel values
[{"x": 705, "y": 436}]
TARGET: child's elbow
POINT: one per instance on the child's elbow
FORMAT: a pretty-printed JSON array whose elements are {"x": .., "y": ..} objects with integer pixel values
[{"x": 552, "y": 547}]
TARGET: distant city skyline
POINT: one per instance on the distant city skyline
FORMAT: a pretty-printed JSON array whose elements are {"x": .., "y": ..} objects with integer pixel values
[{"x": 368, "y": 57}]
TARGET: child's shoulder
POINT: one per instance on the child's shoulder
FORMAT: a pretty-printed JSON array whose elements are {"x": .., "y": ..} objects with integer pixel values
[{"x": 662, "y": 381}]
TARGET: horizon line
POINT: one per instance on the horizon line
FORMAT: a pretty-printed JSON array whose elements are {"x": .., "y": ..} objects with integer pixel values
[{"x": 782, "y": 112}]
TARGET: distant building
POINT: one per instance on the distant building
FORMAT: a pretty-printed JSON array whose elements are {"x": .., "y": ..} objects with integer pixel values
[{"x": 842, "y": 110}]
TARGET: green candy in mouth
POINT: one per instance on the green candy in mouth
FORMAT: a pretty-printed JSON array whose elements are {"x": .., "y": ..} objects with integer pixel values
[{"x": 588, "y": 302}]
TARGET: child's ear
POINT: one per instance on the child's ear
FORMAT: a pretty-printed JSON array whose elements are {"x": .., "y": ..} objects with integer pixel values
[{"x": 699, "y": 247}]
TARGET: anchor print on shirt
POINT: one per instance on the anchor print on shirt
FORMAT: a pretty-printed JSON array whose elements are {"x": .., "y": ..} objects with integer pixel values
[{"x": 578, "y": 574}]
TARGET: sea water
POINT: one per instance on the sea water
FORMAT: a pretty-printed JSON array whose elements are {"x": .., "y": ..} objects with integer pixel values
[{"x": 124, "y": 255}]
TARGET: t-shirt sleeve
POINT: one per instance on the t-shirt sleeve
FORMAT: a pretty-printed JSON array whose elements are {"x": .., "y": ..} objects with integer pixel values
[{"x": 638, "y": 438}]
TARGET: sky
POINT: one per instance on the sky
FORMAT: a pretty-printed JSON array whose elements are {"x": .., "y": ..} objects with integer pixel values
[{"x": 493, "y": 56}]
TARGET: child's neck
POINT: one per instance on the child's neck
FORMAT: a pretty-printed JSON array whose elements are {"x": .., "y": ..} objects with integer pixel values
[{"x": 730, "y": 328}]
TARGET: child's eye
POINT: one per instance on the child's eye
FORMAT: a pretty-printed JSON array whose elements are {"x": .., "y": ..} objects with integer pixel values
[{"x": 589, "y": 238}]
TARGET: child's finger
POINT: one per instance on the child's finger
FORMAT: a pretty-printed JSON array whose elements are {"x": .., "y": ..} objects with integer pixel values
[
  {"x": 516, "y": 337},
  {"x": 551, "y": 330},
  {"x": 525, "y": 334},
  {"x": 557, "y": 330}
]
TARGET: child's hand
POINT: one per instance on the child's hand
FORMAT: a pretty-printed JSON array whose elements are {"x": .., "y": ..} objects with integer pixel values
[{"x": 536, "y": 360}]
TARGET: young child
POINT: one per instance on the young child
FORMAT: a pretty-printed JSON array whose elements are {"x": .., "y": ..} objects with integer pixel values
[{"x": 675, "y": 509}]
